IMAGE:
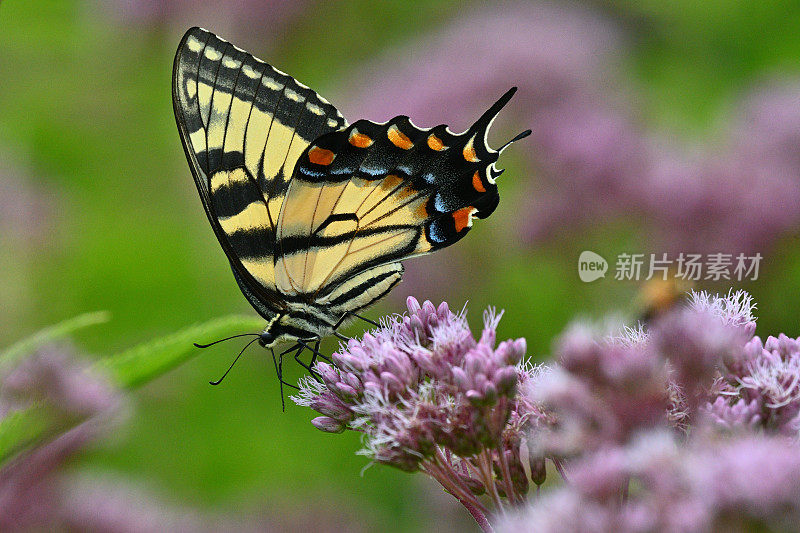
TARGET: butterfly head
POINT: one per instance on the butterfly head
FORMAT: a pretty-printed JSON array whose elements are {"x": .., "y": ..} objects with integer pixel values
[
  {"x": 271, "y": 335},
  {"x": 286, "y": 328}
]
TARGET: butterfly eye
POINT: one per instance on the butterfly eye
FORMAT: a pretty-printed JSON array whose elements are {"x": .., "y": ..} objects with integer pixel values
[{"x": 266, "y": 339}]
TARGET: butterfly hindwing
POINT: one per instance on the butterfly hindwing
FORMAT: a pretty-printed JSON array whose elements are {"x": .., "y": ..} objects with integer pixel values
[
  {"x": 368, "y": 196},
  {"x": 244, "y": 124}
]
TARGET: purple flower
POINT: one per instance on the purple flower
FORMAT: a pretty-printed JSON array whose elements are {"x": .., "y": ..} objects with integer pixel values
[
  {"x": 593, "y": 159},
  {"x": 54, "y": 375},
  {"x": 427, "y": 395},
  {"x": 608, "y": 388},
  {"x": 748, "y": 482},
  {"x": 419, "y": 381},
  {"x": 739, "y": 415},
  {"x": 30, "y": 483},
  {"x": 239, "y": 20},
  {"x": 603, "y": 391}
]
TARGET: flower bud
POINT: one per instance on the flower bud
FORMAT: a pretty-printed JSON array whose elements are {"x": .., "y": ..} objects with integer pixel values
[
  {"x": 460, "y": 377},
  {"x": 328, "y": 424},
  {"x": 329, "y": 375},
  {"x": 505, "y": 380},
  {"x": 413, "y": 305},
  {"x": 538, "y": 470},
  {"x": 346, "y": 392}
]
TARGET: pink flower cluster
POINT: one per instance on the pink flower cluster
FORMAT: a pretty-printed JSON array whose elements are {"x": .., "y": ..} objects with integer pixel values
[
  {"x": 686, "y": 423},
  {"x": 428, "y": 396}
]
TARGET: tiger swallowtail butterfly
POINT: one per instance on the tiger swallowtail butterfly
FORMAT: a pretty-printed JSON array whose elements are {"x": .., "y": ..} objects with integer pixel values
[{"x": 314, "y": 214}]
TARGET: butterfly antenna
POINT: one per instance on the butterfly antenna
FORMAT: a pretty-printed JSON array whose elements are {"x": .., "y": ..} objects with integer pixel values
[
  {"x": 225, "y": 339},
  {"x": 234, "y": 362}
]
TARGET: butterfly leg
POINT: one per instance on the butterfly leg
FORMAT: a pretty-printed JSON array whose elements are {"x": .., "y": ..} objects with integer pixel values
[
  {"x": 351, "y": 313},
  {"x": 315, "y": 354},
  {"x": 278, "y": 362},
  {"x": 344, "y": 317},
  {"x": 279, "y": 371}
]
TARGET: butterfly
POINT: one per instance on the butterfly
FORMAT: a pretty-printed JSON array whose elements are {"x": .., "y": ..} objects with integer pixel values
[{"x": 314, "y": 214}]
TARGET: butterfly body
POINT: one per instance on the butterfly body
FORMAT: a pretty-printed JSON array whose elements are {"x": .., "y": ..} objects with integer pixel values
[{"x": 314, "y": 214}]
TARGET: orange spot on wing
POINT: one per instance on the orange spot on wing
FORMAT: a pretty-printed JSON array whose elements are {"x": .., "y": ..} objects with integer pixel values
[
  {"x": 320, "y": 156},
  {"x": 359, "y": 140},
  {"x": 476, "y": 182},
  {"x": 435, "y": 143},
  {"x": 463, "y": 218},
  {"x": 399, "y": 139},
  {"x": 469, "y": 153}
]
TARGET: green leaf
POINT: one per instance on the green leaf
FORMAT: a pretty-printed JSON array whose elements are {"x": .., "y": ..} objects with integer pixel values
[
  {"x": 11, "y": 355},
  {"x": 151, "y": 359},
  {"x": 22, "y": 427},
  {"x": 127, "y": 369}
]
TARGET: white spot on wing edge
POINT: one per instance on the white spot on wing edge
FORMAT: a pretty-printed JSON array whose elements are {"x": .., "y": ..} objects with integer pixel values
[
  {"x": 213, "y": 55},
  {"x": 292, "y": 95},
  {"x": 250, "y": 72},
  {"x": 418, "y": 127},
  {"x": 332, "y": 123},
  {"x": 269, "y": 83},
  {"x": 317, "y": 110},
  {"x": 193, "y": 44},
  {"x": 231, "y": 63}
]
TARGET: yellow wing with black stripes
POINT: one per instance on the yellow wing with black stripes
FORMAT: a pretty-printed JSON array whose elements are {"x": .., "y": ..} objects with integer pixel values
[
  {"x": 315, "y": 215},
  {"x": 370, "y": 195},
  {"x": 244, "y": 125}
]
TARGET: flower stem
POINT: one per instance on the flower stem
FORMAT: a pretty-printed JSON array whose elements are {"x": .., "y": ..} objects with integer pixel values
[
  {"x": 479, "y": 517},
  {"x": 447, "y": 471},
  {"x": 470, "y": 503},
  {"x": 504, "y": 468},
  {"x": 560, "y": 468},
  {"x": 485, "y": 465}
]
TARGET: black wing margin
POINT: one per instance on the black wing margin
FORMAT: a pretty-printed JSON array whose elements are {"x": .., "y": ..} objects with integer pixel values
[{"x": 243, "y": 125}]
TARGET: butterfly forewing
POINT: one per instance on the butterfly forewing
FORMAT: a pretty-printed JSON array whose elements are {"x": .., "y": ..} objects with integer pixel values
[{"x": 244, "y": 124}]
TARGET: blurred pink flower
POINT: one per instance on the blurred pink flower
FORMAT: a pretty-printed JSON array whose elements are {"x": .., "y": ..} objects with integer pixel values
[
  {"x": 593, "y": 161},
  {"x": 25, "y": 207},
  {"x": 260, "y": 21},
  {"x": 76, "y": 398},
  {"x": 748, "y": 483}
]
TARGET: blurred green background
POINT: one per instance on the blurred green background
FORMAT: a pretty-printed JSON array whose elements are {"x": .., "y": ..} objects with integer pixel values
[{"x": 107, "y": 218}]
